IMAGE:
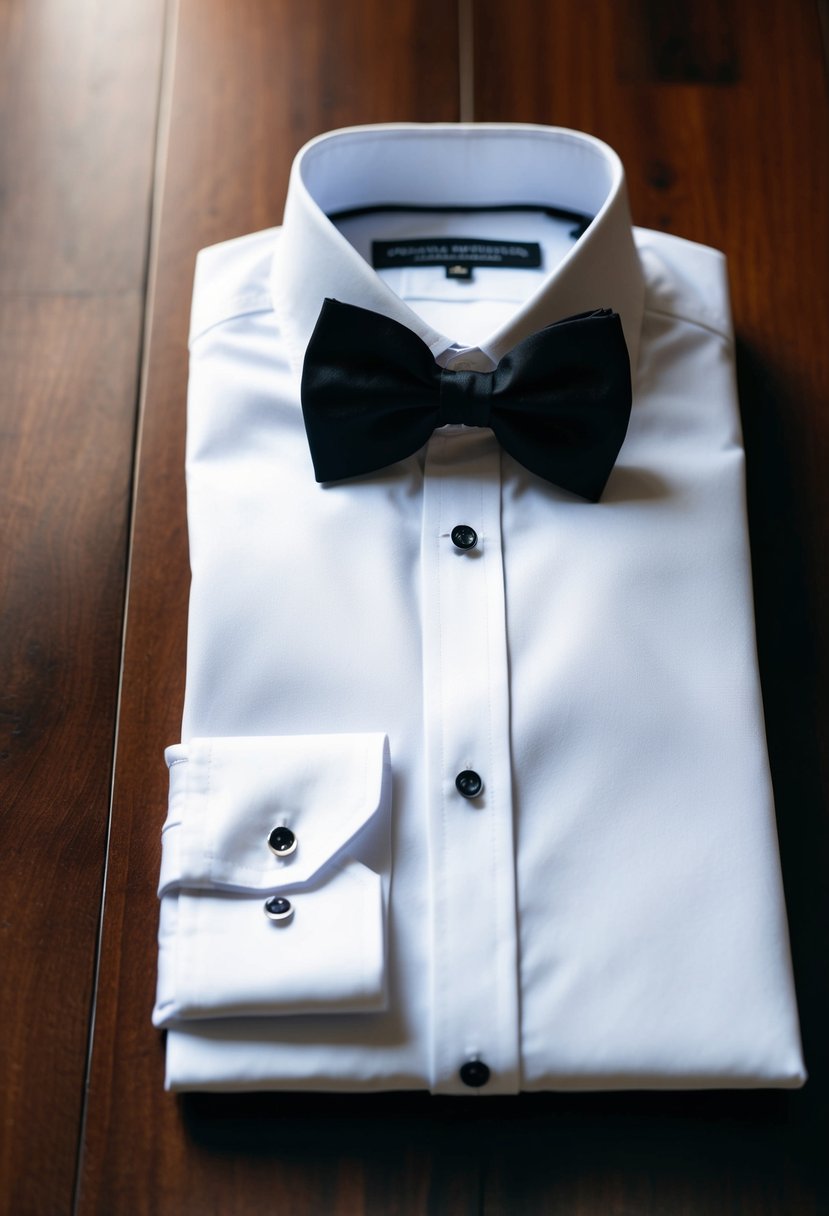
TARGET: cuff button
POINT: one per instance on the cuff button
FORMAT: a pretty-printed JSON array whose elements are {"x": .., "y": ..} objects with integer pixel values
[
  {"x": 282, "y": 841},
  {"x": 278, "y": 908}
]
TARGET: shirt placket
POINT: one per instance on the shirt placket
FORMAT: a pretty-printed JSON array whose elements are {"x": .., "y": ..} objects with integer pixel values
[{"x": 474, "y": 985}]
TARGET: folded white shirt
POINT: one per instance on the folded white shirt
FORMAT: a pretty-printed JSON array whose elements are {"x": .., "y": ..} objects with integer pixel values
[{"x": 607, "y": 911}]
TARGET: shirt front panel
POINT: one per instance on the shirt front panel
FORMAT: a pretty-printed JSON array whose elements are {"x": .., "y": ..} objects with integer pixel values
[{"x": 305, "y": 619}]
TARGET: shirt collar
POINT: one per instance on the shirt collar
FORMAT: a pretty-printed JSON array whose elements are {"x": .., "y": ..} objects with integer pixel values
[{"x": 455, "y": 164}]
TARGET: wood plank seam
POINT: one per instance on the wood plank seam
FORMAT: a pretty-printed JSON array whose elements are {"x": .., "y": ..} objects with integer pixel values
[{"x": 162, "y": 127}]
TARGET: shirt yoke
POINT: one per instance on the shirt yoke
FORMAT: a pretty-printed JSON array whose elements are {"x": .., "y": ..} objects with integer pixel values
[
  {"x": 685, "y": 280},
  {"x": 232, "y": 279}
]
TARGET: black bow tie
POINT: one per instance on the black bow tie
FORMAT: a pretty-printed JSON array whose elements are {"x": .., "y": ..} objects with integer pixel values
[{"x": 559, "y": 402}]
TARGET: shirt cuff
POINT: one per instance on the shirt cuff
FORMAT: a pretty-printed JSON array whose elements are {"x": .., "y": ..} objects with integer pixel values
[{"x": 257, "y": 923}]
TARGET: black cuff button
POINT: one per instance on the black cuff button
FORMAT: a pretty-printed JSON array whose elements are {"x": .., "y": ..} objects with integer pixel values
[
  {"x": 282, "y": 841},
  {"x": 278, "y": 908}
]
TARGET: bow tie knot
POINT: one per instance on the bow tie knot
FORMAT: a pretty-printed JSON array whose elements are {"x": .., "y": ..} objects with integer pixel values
[
  {"x": 558, "y": 403},
  {"x": 465, "y": 398}
]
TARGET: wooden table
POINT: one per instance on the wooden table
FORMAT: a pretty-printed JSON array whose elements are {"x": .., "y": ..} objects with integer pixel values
[{"x": 133, "y": 134}]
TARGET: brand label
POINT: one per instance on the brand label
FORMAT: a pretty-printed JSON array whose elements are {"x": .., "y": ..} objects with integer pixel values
[{"x": 457, "y": 254}]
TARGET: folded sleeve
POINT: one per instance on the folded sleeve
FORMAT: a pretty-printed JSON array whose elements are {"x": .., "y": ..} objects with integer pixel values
[{"x": 274, "y": 877}]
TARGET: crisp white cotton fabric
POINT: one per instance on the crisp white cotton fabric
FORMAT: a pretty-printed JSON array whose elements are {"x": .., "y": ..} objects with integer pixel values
[
  {"x": 220, "y": 955},
  {"x": 608, "y": 913}
]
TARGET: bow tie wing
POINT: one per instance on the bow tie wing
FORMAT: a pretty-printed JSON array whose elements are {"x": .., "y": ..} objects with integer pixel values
[
  {"x": 368, "y": 392},
  {"x": 562, "y": 401}
]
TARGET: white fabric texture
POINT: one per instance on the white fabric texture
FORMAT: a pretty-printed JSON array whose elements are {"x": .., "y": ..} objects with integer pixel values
[
  {"x": 608, "y": 912},
  {"x": 219, "y": 954}
]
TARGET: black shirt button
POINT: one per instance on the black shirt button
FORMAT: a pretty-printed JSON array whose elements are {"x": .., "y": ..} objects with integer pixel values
[
  {"x": 474, "y": 1073},
  {"x": 469, "y": 783},
  {"x": 282, "y": 841},
  {"x": 464, "y": 537},
  {"x": 278, "y": 908}
]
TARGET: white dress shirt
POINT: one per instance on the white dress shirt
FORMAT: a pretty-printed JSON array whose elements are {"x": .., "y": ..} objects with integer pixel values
[{"x": 606, "y": 910}]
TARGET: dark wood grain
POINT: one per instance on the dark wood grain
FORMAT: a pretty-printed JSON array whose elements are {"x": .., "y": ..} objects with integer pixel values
[
  {"x": 719, "y": 111},
  {"x": 252, "y": 82},
  {"x": 78, "y": 95}
]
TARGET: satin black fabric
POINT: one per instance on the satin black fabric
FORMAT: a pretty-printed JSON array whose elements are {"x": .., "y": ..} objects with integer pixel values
[{"x": 559, "y": 402}]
